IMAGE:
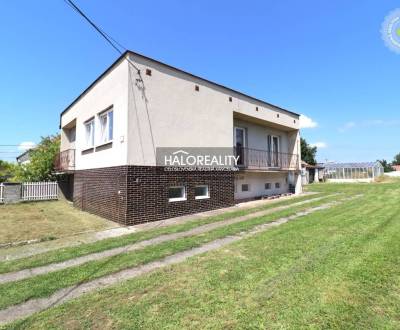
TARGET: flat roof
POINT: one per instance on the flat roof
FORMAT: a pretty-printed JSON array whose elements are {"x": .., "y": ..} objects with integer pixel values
[{"x": 173, "y": 68}]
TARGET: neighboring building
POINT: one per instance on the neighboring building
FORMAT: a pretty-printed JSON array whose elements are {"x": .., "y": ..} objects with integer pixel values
[
  {"x": 396, "y": 167},
  {"x": 24, "y": 158},
  {"x": 311, "y": 173},
  {"x": 111, "y": 132},
  {"x": 353, "y": 172}
]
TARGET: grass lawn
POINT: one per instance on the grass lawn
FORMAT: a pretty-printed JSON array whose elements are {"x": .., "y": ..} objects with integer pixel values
[
  {"x": 43, "y": 285},
  {"x": 45, "y": 220},
  {"x": 336, "y": 268},
  {"x": 84, "y": 249}
]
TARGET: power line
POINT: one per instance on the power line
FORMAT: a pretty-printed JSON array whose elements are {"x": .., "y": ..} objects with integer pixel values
[
  {"x": 112, "y": 42},
  {"x": 104, "y": 34}
]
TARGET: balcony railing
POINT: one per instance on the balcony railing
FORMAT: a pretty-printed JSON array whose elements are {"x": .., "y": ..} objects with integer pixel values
[
  {"x": 65, "y": 160},
  {"x": 263, "y": 159}
]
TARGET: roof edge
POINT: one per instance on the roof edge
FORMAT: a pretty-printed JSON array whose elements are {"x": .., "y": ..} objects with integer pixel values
[{"x": 123, "y": 55}]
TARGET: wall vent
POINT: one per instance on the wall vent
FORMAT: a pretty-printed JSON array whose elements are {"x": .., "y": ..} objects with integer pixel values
[{"x": 148, "y": 72}]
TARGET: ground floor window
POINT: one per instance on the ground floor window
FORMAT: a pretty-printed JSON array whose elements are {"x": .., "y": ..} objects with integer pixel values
[
  {"x": 245, "y": 187},
  {"x": 277, "y": 185},
  {"x": 177, "y": 193},
  {"x": 201, "y": 192},
  {"x": 267, "y": 186}
]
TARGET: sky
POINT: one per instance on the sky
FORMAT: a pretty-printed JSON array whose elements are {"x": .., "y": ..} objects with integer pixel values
[{"x": 323, "y": 59}]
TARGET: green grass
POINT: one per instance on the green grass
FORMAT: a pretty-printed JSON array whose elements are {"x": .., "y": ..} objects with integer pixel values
[
  {"x": 60, "y": 255},
  {"x": 45, "y": 220},
  {"x": 44, "y": 285},
  {"x": 337, "y": 268}
]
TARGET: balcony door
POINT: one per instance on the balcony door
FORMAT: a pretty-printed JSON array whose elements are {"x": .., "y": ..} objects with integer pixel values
[
  {"x": 240, "y": 143},
  {"x": 273, "y": 148}
]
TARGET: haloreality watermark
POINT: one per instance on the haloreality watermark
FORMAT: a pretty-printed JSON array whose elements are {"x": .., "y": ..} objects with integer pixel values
[{"x": 197, "y": 159}]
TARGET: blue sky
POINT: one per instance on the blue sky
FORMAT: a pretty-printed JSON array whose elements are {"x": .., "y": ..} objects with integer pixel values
[{"x": 323, "y": 59}]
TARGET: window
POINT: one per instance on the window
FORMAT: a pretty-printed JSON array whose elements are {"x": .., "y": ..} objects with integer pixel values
[
  {"x": 106, "y": 126},
  {"x": 71, "y": 134},
  {"x": 277, "y": 185},
  {"x": 148, "y": 72},
  {"x": 245, "y": 187},
  {"x": 89, "y": 133},
  {"x": 201, "y": 192},
  {"x": 176, "y": 194},
  {"x": 196, "y": 88},
  {"x": 267, "y": 186}
]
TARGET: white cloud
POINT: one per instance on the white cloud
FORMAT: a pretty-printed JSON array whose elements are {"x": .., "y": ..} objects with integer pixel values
[
  {"x": 23, "y": 146},
  {"x": 347, "y": 126},
  {"x": 319, "y": 145},
  {"x": 369, "y": 123},
  {"x": 307, "y": 122}
]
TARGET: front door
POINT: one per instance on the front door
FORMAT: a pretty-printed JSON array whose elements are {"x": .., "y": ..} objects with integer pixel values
[
  {"x": 275, "y": 151},
  {"x": 240, "y": 144}
]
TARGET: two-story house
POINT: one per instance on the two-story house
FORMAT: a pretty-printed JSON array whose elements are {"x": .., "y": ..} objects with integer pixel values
[{"x": 110, "y": 134}]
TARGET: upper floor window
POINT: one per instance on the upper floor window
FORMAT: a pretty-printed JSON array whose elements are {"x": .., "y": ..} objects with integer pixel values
[
  {"x": 106, "y": 126},
  {"x": 71, "y": 134},
  {"x": 89, "y": 133}
]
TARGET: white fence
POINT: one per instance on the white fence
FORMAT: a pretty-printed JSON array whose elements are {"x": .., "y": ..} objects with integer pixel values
[
  {"x": 1, "y": 192},
  {"x": 32, "y": 191}
]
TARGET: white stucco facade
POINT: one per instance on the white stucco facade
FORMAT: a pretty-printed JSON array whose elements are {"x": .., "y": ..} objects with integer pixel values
[{"x": 166, "y": 107}]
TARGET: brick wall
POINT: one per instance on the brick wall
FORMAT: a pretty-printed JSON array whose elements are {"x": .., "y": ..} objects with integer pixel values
[
  {"x": 137, "y": 194},
  {"x": 102, "y": 192}
]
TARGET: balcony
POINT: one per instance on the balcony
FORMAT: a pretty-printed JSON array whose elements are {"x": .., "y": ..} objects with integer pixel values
[
  {"x": 65, "y": 161},
  {"x": 265, "y": 160}
]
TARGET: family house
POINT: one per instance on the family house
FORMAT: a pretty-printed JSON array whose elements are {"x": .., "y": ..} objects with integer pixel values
[{"x": 111, "y": 134}]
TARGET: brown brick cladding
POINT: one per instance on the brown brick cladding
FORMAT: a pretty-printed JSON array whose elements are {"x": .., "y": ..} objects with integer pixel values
[{"x": 137, "y": 194}]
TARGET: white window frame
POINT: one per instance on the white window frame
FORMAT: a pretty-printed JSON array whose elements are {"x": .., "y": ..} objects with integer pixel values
[
  {"x": 203, "y": 196},
  {"x": 91, "y": 122},
  {"x": 178, "y": 199},
  {"x": 244, "y": 135},
  {"x": 273, "y": 151},
  {"x": 101, "y": 115}
]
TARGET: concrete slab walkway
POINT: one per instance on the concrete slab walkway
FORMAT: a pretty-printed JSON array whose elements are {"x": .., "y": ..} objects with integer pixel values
[
  {"x": 27, "y": 273},
  {"x": 36, "y": 305},
  {"x": 13, "y": 253}
]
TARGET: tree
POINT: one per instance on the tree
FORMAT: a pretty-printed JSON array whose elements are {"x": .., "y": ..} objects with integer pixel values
[
  {"x": 396, "y": 160},
  {"x": 41, "y": 165},
  {"x": 308, "y": 152},
  {"x": 7, "y": 170},
  {"x": 386, "y": 166}
]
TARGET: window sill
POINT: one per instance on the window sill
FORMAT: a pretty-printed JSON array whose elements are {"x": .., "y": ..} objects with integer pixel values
[
  {"x": 202, "y": 197},
  {"x": 87, "y": 150},
  {"x": 180, "y": 199},
  {"x": 105, "y": 145}
]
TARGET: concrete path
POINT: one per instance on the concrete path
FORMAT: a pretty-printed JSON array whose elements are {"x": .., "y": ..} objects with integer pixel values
[
  {"x": 19, "y": 252},
  {"x": 26, "y": 273},
  {"x": 36, "y": 305}
]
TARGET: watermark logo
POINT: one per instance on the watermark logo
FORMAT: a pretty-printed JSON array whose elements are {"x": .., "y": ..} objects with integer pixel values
[
  {"x": 391, "y": 31},
  {"x": 197, "y": 159}
]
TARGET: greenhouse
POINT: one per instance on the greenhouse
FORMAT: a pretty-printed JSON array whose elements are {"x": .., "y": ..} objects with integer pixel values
[{"x": 353, "y": 171}]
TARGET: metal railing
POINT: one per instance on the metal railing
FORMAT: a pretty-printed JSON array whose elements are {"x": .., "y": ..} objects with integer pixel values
[
  {"x": 65, "y": 160},
  {"x": 263, "y": 159}
]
